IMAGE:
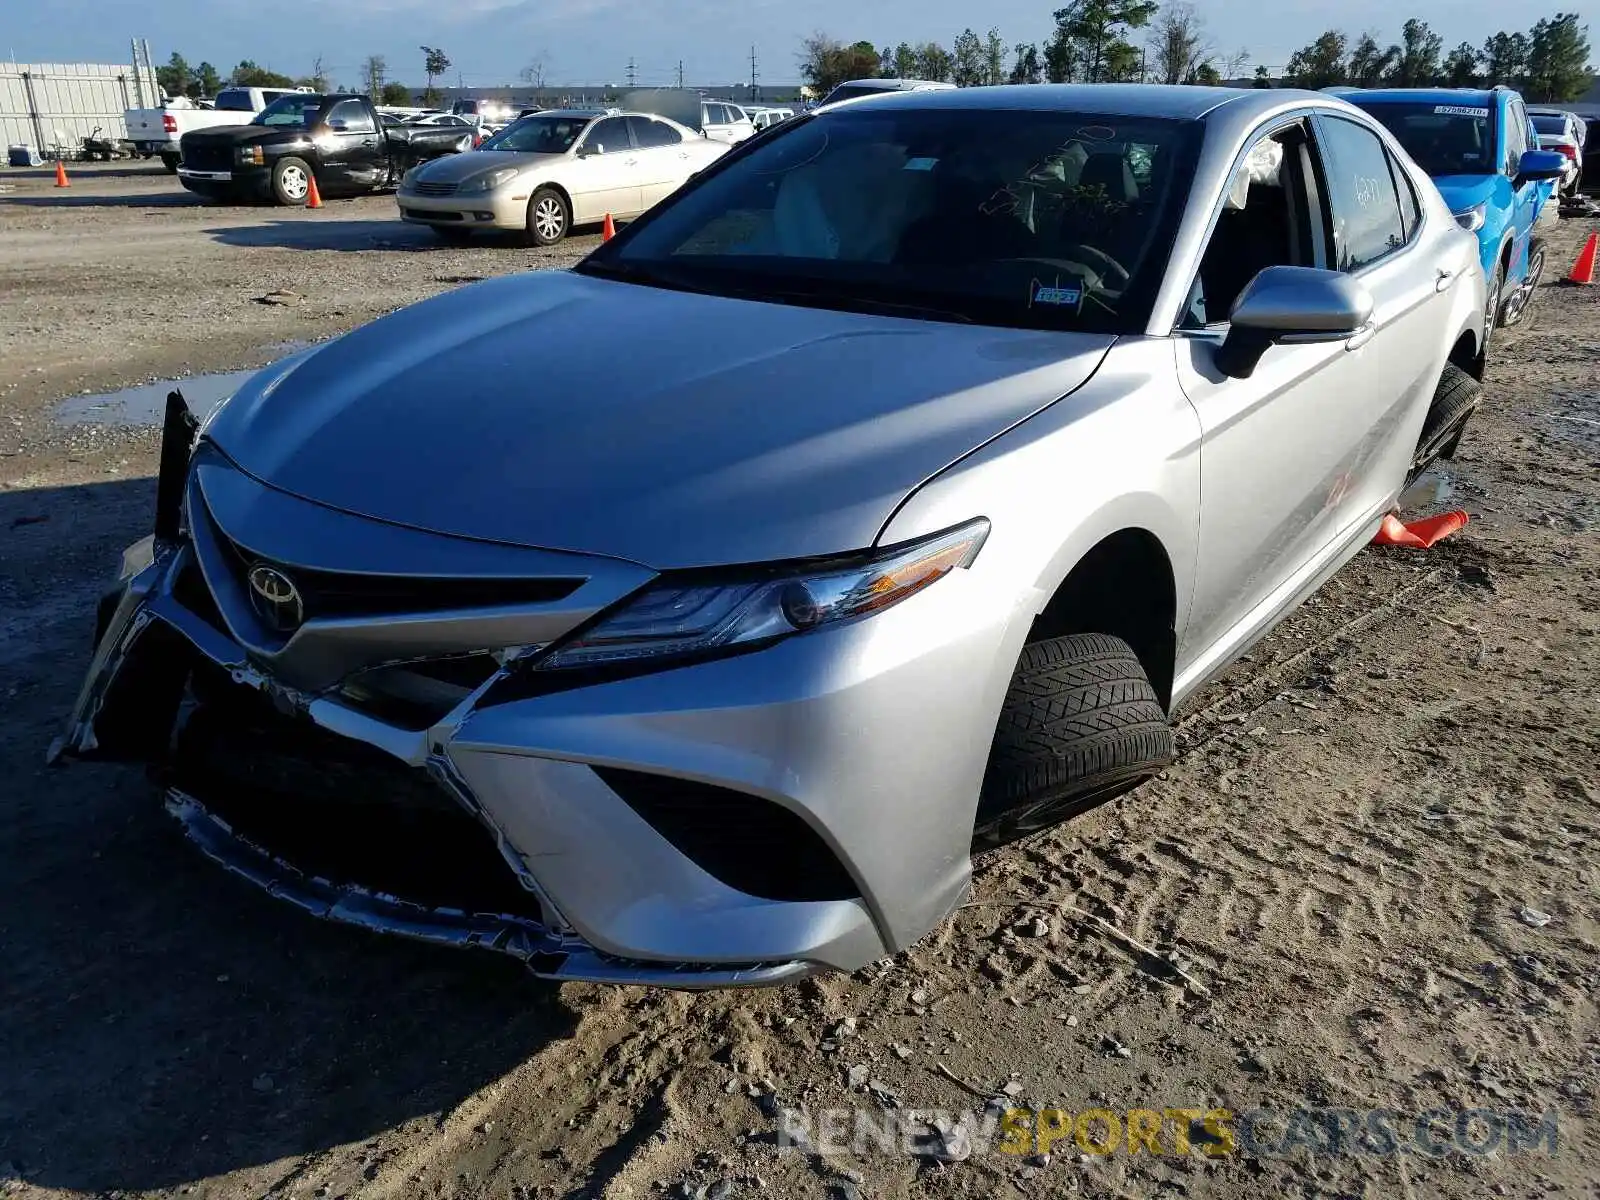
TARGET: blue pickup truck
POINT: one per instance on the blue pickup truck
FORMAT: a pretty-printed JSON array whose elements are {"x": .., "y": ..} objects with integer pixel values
[{"x": 1478, "y": 146}]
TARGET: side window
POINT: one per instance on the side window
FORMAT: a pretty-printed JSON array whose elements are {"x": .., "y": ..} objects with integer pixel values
[
  {"x": 610, "y": 135},
  {"x": 1366, "y": 210},
  {"x": 649, "y": 134},
  {"x": 1516, "y": 135},
  {"x": 354, "y": 115},
  {"x": 1410, "y": 206}
]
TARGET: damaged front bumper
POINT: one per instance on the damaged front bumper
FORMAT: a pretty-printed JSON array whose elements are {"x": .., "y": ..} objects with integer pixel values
[{"x": 720, "y": 824}]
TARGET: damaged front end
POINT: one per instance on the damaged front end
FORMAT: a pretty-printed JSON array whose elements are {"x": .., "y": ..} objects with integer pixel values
[{"x": 299, "y": 717}]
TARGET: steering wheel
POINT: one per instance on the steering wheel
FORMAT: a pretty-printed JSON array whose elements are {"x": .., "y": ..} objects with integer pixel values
[{"x": 1110, "y": 269}]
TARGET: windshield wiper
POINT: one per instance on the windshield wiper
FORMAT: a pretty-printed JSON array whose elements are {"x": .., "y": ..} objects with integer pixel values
[
  {"x": 861, "y": 304},
  {"x": 632, "y": 273}
]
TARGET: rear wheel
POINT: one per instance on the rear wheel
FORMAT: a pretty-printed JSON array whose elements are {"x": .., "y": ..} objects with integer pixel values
[
  {"x": 548, "y": 217},
  {"x": 1454, "y": 401},
  {"x": 291, "y": 181},
  {"x": 1081, "y": 726},
  {"x": 171, "y": 162}
]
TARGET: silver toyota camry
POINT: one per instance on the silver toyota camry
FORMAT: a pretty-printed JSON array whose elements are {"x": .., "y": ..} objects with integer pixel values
[{"x": 691, "y": 617}]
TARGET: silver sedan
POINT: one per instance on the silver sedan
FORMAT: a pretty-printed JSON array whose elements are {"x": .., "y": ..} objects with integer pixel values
[{"x": 691, "y": 617}]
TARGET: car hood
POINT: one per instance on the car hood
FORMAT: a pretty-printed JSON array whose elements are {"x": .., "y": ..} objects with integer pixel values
[
  {"x": 246, "y": 135},
  {"x": 1462, "y": 192},
  {"x": 459, "y": 167},
  {"x": 561, "y": 411}
]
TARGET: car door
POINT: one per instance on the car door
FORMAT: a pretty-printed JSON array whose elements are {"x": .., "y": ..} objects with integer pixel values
[
  {"x": 605, "y": 175},
  {"x": 352, "y": 151},
  {"x": 1297, "y": 456},
  {"x": 1527, "y": 197},
  {"x": 663, "y": 159}
]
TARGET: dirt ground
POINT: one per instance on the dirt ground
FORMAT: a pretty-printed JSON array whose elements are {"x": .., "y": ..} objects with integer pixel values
[{"x": 1370, "y": 883}]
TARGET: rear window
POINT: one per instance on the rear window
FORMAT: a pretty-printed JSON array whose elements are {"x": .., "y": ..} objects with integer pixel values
[
  {"x": 849, "y": 91},
  {"x": 290, "y": 110},
  {"x": 1050, "y": 220},
  {"x": 1444, "y": 139},
  {"x": 233, "y": 100},
  {"x": 1546, "y": 124}
]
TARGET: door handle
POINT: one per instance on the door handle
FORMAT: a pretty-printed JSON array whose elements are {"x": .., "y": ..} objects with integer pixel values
[
  {"x": 1443, "y": 280},
  {"x": 1360, "y": 337}
]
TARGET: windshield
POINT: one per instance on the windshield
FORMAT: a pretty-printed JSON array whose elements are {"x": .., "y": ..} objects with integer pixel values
[
  {"x": 1039, "y": 219},
  {"x": 233, "y": 100},
  {"x": 290, "y": 110},
  {"x": 543, "y": 134},
  {"x": 1550, "y": 124},
  {"x": 1444, "y": 139}
]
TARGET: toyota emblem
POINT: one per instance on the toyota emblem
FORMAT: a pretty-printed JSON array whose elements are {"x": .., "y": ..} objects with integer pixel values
[{"x": 276, "y": 599}]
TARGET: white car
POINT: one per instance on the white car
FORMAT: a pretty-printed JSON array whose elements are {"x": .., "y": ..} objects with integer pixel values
[
  {"x": 856, "y": 88},
  {"x": 1564, "y": 133},
  {"x": 546, "y": 173},
  {"x": 765, "y": 118},
  {"x": 722, "y": 121}
]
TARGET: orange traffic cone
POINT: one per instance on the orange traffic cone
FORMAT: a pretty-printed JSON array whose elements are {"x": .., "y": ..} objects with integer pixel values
[
  {"x": 1583, "y": 269},
  {"x": 608, "y": 230},
  {"x": 313, "y": 197},
  {"x": 61, "y": 177},
  {"x": 1420, "y": 535}
]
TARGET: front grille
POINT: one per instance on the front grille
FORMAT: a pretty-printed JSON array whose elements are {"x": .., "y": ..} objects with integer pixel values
[
  {"x": 208, "y": 158},
  {"x": 750, "y": 844},
  {"x": 336, "y": 809},
  {"x": 424, "y": 187},
  {"x": 339, "y": 594}
]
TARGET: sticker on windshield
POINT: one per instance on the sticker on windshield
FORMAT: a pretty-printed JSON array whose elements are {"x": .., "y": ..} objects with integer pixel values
[
  {"x": 1457, "y": 110},
  {"x": 921, "y": 164},
  {"x": 1064, "y": 297}
]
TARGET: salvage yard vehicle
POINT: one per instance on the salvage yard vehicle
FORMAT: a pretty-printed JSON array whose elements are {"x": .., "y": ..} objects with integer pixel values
[
  {"x": 159, "y": 131},
  {"x": 540, "y": 618},
  {"x": 340, "y": 140},
  {"x": 554, "y": 170},
  {"x": 1564, "y": 133},
  {"x": 1478, "y": 147}
]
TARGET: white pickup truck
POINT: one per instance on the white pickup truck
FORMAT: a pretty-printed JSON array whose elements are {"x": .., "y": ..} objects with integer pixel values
[{"x": 157, "y": 131}]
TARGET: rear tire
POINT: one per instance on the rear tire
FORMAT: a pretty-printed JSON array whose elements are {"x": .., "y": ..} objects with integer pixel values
[
  {"x": 291, "y": 182},
  {"x": 1081, "y": 725},
  {"x": 171, "y": 162},
  {"x": 1454, "y": 401}
]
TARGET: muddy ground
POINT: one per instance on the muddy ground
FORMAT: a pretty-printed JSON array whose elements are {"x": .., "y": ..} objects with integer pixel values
[{"x": 1370, "y": 883}]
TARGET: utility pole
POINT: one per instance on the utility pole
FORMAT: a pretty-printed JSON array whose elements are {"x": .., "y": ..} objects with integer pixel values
[
  {"x": 753, "y": 75},
  {"x": 680, "y": 74},
  {"x": 633, "y": 73}
]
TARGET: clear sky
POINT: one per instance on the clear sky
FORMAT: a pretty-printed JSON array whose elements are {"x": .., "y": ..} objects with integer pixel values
[{"x": 490, "y": 41}]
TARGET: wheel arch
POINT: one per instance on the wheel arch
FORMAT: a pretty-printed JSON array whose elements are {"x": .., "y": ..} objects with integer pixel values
[
  {"x": 1123, "y": 585},
  {"x": 560, "y": 190}
]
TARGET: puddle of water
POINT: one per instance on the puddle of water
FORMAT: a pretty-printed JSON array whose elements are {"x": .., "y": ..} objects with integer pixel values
[
  {"x": 147, "y": 403},
  {"x": 1434, "y": 488}
]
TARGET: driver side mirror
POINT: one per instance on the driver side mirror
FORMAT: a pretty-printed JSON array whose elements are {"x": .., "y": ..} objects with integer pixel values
[
  {"x": 339, "y": 126},
  {"x": 1535, "y": 165},
  {"x": 590, "y": 149},
  {"x": 1291, "y": 306}
]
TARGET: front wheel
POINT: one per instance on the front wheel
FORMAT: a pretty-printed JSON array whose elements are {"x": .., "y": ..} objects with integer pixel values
[
  {"x": 548, "y": 217},
  {"x": 1517, "y": 304},
  {"x": 1081, "y": 725},
  {"x": 291, "y": 182},
  {"x": 1491, "y": 302}
]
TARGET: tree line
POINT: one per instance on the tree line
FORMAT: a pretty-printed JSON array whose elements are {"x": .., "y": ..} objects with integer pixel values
[
  {"x": 177, "y": 78},
  {"x": 1091, "y": 41}
]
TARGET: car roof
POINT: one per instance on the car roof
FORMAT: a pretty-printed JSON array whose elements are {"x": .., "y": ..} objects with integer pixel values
[
  {"x": 1181, "y": 102},
  {"x": 1482, "y": 96}
]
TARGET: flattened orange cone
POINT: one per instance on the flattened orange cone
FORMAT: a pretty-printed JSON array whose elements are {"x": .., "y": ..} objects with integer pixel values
[
  {"x": 61, "y": 174},
  {"x": 1583, "y": 269},
  {"x": 609, "y": 230},
  {"x": 313, "y": 197},
  {"x": 1420, "y": 535}
]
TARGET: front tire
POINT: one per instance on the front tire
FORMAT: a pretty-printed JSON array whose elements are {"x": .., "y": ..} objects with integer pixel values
[
  {"x": 291, "y": 182},
  {"x": 549, "y": 218},
  {"x": 1081, "y": 725},
  {"x": 1491, "y": 305}
]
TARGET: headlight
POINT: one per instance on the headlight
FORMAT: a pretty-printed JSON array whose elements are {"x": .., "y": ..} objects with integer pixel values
[
  {"x": 678, "y": 619},
  {"x": 489, "y": 180},
  {"x": 1471, "y": 219},
  {"x": 251, "y": 156}
]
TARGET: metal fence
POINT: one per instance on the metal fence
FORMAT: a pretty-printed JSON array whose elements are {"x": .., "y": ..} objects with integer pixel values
[{"x": 49, "y": 104}]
